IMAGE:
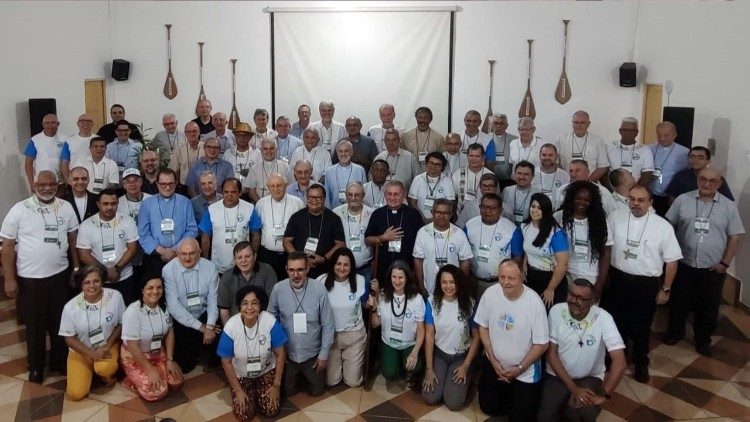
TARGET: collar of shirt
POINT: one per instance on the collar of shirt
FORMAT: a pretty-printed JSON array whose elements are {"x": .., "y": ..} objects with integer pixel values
[{"x": 715, "y": 198}]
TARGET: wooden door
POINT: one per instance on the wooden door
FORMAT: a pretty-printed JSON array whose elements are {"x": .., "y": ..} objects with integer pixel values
[
  {"x": 95, "y": 102},
  {"x": 652, "y": 112}
]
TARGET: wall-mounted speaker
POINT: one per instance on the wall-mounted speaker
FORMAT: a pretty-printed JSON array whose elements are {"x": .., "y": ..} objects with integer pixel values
[
  {"x": 120, "y": 69},
  {"x": 627, "y": 75},
  {"x": 683, "y": 118},
  {"x": 38, "y": 108}
]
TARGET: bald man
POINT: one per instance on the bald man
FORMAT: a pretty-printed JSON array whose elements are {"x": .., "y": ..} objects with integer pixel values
[
  {"x": 75, "y": 150},
  {"x": 43, "y": 150}
]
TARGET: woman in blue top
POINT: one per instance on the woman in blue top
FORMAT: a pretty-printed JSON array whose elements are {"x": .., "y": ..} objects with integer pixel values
[
  {"x": 252, "y": 354},
  {"x": 452, "y": 339},
  {"x": 546, "y": 248}
]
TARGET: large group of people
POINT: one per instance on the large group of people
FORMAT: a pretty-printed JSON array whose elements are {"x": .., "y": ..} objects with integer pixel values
[{"x": 488, "y": 258}]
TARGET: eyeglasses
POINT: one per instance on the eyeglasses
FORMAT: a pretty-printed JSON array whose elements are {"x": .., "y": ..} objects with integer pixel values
[
  {"x": 434, "y": 163},
  {"x": 211, "y": 147},
  {"x": 578, "y": 298},
  {"x": 296, "y": 270},
  {"x": 167, "y": 185},
  {"x": 315, "y": 198},
  {"x": 488, "y": 207}
]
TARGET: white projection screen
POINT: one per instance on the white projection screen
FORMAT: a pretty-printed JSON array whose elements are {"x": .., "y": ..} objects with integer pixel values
[{"x": 360, "y": 60}]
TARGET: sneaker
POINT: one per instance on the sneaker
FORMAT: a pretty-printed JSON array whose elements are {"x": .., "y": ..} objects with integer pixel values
[
  {"x": 641, "y": 374},
  {"x": 703, "y": 349}
]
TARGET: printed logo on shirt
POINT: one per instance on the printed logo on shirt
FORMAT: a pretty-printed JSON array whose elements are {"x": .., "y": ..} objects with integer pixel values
[
  {"x": 262, "y": 339},
  {"x": 60, "y": 220},
  {"x": 506, "y": 322},
  {"x": 590, "y": 340},
  {"x": 440, "y": 190},
  {"x": 109, "y": 317},
  {"x": 636, "y": 157},
  {"x": 121, "y": 234},
  {"x": 240, "y": 217},
  {"x": 452, "y": 247},
  {"x": 169, "y": 319},
  {"x": 498, "y": 237},
  {"x": 352, "y": 296},
  {"x": 408, "y": 314}
]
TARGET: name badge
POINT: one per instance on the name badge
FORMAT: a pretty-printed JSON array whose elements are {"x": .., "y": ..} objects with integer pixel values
[
  {"x": 299, "y": 323},
  {"x": 193, "y": 301},
  {"x": 518, "y": 216},
  {"x": 394, "y": 246},
  {"x": 630, "y": 254},
  {"x": 342, "y": 195},
  {"x": 167, "y": 226},
  {"x": 633, "y": 243},
  {"x": 397, "y": 333},
  {"x": 657, "y": 175},
  {"x": 428, "y": 203},
  {"x": 311, "y": 245},
  {"x": 483, "y": 253},
  {"x": 278, "y": 231},
  {"x": 355, "y": 243},
  {"x": 701, "y": 225},
  {"x": 422, "y": 157},
  {"x": 96, "y": 337},
  {"x": 581, "y": 249},
  {"x": 470, "y": 195},
  {"x": 253, "y": 366},
  {"x": 243, "y": 173},
  {"x": 230, "y": 235},
  {"x": 440, "y": 262},
  {"x": 577, "y": 155},
  {"x": 108, "y": 254},
  {"x": 98, "y": 181},
  {"x": 500, "y": 157},
  {"x": 626, "y": 165},
  {"x": 51, "y": 235},
  {"x": 156, "y": 342}
]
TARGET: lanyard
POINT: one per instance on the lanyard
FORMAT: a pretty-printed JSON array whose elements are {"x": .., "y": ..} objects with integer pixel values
[
  {"x": 467, "y": 141},
  {"x": 309, "y": 224},
  {"x": 710, "y": 210},
  {"x": 100, "y": 306},
  {"x": 445, "y": 245},
  {"x": 374, "y": 198},
  {"x": 661, "y": 166},
  {"x": 42, "y": 209},
  {"x": 273, "y": 219},
  {"x": 388, "y": 219},
  {"x": 581, "y": 151},
  {"x": 423, "y": 148},
  {"x": 197, "y": 280},
  {"x": 359, "y": 223},
  {"x": 643, "y": 230},
  {"x": 172, "y": 141},
  {"x": 552, "y": 185},
  {"x": 297, "y": 299},
  {"x": 248, "y": 339},
  {"x": 394, "y": 167},
  {"x": 481, "y": 230},
  {"x": 187, "y": 151},
  {"x": 515, "y": 200},
  {"x": 130, "y": 209},
  {"x": 632, "y": 152},
  {"x": 501, "y": 151},
  {"x": 161, "y": 321},
  {"x": 348, "y": 177},
  {"x": 431, "y": 190},
  {"x": 236, "y": 218},
  {"x": 523, "y": 148},
  {"x": 101, "y": 231},
  {"x": 161, "y": 214}
]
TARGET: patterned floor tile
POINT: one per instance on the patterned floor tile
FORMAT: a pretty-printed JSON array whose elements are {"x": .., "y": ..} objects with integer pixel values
[
  {"x": 75, "y": 411},
  {"x": 345, "y": 402}
]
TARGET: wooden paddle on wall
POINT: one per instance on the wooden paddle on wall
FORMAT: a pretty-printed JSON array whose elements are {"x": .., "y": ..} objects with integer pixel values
[
  {"x": 202, "y": 95},
  {"x": 562, "y": 93},
  {"x": 234, "y": 116},
  {"x": 170, "y": 87},
  {"x": 486, "y": 125},
  {"x": 527, "y": 105}
]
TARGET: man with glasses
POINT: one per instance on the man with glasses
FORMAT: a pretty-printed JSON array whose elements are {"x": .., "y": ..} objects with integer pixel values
[
  {"x": 76, "y": 146},
  {"x": 687, "y": 180},
  {"x": 303, "y": 176},
  {"x": 124, "y": 151},
  {"x": 626, "y": 153},
  {"x": 221, "y": 169},
  {"x": 150, "y": 166},
  {"x": 164, "y": 220},
  {"x": 207, "y": 196},
  {"x": 580, "y": 334},
  {"x": 316, "y": 231},
  {"x": 355, "y": 217}
]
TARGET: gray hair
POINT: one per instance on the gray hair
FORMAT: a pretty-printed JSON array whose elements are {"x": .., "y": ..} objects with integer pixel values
[
  {"x": 220, "y": 114},
  {"x": 355, "y": 184},
  {"x": 280, "y": 118},
  {"x": 54, "y": 176},
  {"x": 583, "y": 113},
  {"x": 206, "y": 173},
  {"x": 303, "y": 161},
  {"x": 580, "y": 162},
  {"x": 313, "y": 131},
  {"x": 277, "y": 176},
  {"x": 344, "y": 142},
  {"x": 525, "y": 122},
  {"x": 169, "y": 116},
  {"x": 326, "y": 103},
  {"x": 391, "y": 131},
  {"x": 268, "y": 140},
  {"x": 500, "y": 116},
  {"x": 631, "y": 120}
]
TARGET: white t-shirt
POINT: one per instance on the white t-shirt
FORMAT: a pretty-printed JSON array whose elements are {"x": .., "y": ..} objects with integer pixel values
[
  {"x": 144, "y": 324},
  {"x": 516, "y": 203},
  {"x": 82, "y": 320},
  {"x": 228, "y": 226},
  {"x": 108, "y": 240},
  {"x": 579, "y": 252},
  {"x": 427, "y": 189},
  {"x": 274, "y": 217},
  {"x": 642, "y": 244},
  {"x": 254, "y": 343},
  {"x": 452, "y": 329},
  {"x": 438, "y": 248},
  {"x": 399, "y": 326},
  {"x": 530, "y": 153},
  {"x": 543, "y": 257},
  {"x": 346, "y": 306},
  {"x": 374, "y": 195},
  {"x": 608, "y": 202},
  {"x": 79, "y": 148},
  {"x": 40, "y": 232},
  {"x": 131, "y": 208},
  {"x": 514, "y": 326},
  {"x": 377, "y": 133},
  {"x": 635, "y": 158},
  {"x": 480, "y": 138},
  {"x": 590, "y": 148},
  {"x": 318, "y": 157},
  {"x": 242, "y": 162},
  {"x": 48, "y": 151},
  {"x": 330, "y": 136},
  {"x": 258, "y": 176},
  {"x": 548, "y": 184},
  {"x": 354, "y": 232},
  {"x": 466, "y": 183},
  {"x": 101, "y": 174},
  {"x": 581, "y": 345},
  {"x": 490, "y": 245}
]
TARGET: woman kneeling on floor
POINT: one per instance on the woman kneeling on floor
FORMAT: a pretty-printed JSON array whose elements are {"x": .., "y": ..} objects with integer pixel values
[
  {"x": 252, "y": 354},
  {"x": 400, "y": 311},
  {"x": 148, "y": 345},
  {"x": 90, "y": 324}
]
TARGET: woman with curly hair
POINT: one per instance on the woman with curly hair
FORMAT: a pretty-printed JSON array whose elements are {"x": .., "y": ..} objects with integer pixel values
[
  {"x": 584, "y": 221},
  {"x": 400, "y": 311},
  {"x": 546, "y": 249},
  {"x": 452, "y": 339}
]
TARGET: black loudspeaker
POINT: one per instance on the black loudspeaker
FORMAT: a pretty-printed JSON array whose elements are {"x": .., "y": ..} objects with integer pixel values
[
  {"x": 120, "y": 69},
  {"x": 38, "y": 108},
  {"x": 627, "y": 75},
  {"x": 683, "y": 118}
]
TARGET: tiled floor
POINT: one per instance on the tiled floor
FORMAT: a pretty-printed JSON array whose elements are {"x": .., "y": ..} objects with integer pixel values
[{"x": 683, "y": 386}]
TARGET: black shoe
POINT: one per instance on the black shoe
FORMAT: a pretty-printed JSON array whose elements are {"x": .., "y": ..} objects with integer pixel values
[
  {"x": 670, "y": 340},
  {"x": 60, "y": 368},
  {"x": 703, "y": 349},
  {"x": 641, "y": 374},
  {"x": 37, "y": 377}
]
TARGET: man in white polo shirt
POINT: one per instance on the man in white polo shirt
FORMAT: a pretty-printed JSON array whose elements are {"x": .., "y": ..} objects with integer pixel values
[
  {"x": 472, "y": 135},
  {"x": 110, "y": 238},
  {"x": 103, "y": 172},
  {"x": 40, "y": 226},
  {"x": 513, "y": 326},
  {"x": 226, "y": 223},
  {"x": 580, "y": 334}
]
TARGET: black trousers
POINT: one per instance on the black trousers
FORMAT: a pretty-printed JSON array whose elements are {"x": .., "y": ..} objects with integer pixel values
[
  {"x": 277, "y": 261},
  {"x": 538, "y": 280},
  {"x": 661, "y": 205},
  {"x": 188, "y": 345},
  {"x": 152, "y": 265},
  {"x": 519, "y": 400},
  {"x": 127, "y": 289},
  {"x": 631, "y": 299},
  {"x": 42, "y": 301},
  {"x": 696, "y": 290}
]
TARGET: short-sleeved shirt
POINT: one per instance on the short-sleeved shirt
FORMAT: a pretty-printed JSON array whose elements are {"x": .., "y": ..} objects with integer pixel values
[
  {"x": 242, "y": 161},
  {"x": 374, "y": 195},
  {"x": 325, "y": 227},
  {"x": 101, "y": 174},
  {"x": 346, "y": 306},
  {"x": 81, "y": 318},
  {"x": 549, "y": 183},
  {"x": 516, "y": 203},
  {"x": 144, "y": 324},
  {"x": 642, "y": 244},
  {"x": 226, "y": 140},
  {"x": 687, "y": 180},
  {"x": 248, "y": 345},
  {"x": 514, "y": 326},
  {"x": 46, "y": 152},
  {"x": 78, "y": 148},
  {"x": 399, "y": 325},
  {"x": 377, "y": 133},
  {"x": 108, "y": 240},
  {"x": 635, "y": 158},
  {"x": 421, "y": 143},
  {"x": 580, "y": 264},
  {"x": 221, "y": 169},
  {"x": 318, "y": 157},
  {"x": 703, "y": 227},
  {"x": 427, "y": 189},
  {"x": 437, "y": 248},
  {"x": 354, "y": 232},
  {"x": 286, "y": 146},
  {"x": 331, "y": 135},
  {"x": 454, "y": 162},
  {"x": 131, "y": 208},
  {"x": 406, "y": 218},
  {"x": 232, "y": 281},
  {"x": 543, "y": 257},
  {"x": 452, "y": 327},
  {"x": 124, "y": 154},
  {"x": 403, "y": 166},
  {"x": 40, "y": 231},
  {"x": 337, "y": 178},
  {"x": 581, "y": 345},
  {"x": 608, "y": 201},
  {"x": 481, "y": 138},
  {"x": 258, "y": 176},
  {"x": 227, "y": 227},
  {"x": 590, "y": 147},
  {"x": 520, "y": 152},
  {"x": 491, "y": 245},
  {"x": 274, "y": 218},
  {"x": 667, "y": 162}
]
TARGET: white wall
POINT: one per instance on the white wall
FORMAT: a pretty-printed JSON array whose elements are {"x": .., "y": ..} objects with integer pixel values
[{"x": 698, "y": 45}]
